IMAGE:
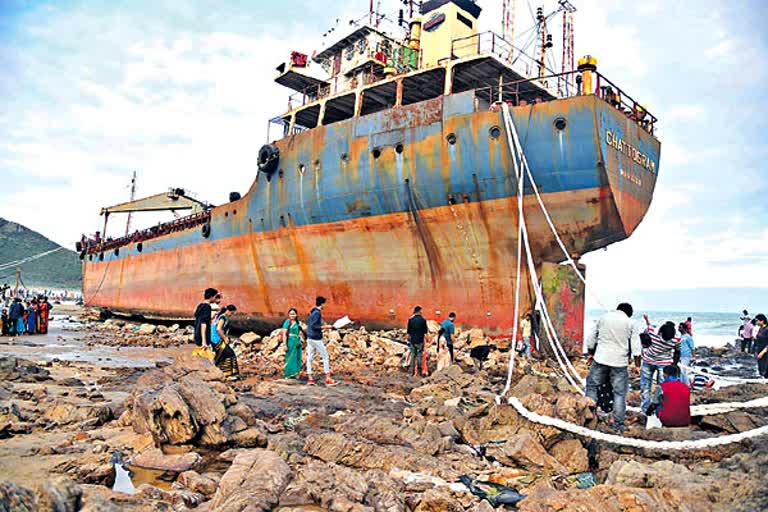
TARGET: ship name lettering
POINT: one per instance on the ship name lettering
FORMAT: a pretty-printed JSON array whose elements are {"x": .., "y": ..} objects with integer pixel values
[{"x": 616, "y": 142}]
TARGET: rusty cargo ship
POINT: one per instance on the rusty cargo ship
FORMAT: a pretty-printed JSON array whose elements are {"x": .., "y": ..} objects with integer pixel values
[{"x": 390, "y": 183}]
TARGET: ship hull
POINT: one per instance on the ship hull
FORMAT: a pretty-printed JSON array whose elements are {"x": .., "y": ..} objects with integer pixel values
[{"x": 428, "y": 223}]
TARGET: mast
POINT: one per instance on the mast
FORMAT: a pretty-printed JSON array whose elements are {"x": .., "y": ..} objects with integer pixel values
[
  {"x": 133, "y": 196},
  {"x": 508, "y": 20},
  {"x": 567, "y": 64}
]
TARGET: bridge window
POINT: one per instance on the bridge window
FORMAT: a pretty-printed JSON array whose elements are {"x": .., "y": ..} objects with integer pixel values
[
  {"x": 423, "y": 86},
  {"x": 339, "y": 109},
  {"x": 308, "y": 117},
  {"x": 379, "y": 98}
]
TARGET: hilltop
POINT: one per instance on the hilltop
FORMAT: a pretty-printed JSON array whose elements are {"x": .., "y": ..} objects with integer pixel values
[{"x": 59, "y": 270}]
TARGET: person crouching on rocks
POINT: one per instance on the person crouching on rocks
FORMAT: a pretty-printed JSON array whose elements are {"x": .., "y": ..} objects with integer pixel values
[
  {"x": 674, "y": 409},
  {"x": 224, "y": 356}
]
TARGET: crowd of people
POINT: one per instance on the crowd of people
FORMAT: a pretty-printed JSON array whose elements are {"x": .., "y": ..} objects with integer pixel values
[
  {"x": 25, "y": 317},
  {"x": 753, "y": 334},
  {"x": 212, "y": 325},
  {"x": 664, "y": 355}
]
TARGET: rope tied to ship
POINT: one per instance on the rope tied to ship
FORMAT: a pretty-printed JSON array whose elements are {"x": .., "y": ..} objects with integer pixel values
[{"x": 569, "y": 371}]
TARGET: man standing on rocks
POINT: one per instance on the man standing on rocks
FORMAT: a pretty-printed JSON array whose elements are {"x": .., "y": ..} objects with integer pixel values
[
  {"x": 450, "y": 328},
  {"x": 417, "y": 330},
  {"x": 203, "y": 318},
  {"x": 315, "y": 328},
  {"x": 614, "y": 341}
]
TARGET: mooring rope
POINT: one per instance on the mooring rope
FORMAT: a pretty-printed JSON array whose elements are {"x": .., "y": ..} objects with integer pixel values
[{"x": 566, "y": 365}]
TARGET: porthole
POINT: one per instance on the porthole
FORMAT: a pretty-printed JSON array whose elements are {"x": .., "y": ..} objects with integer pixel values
[
  {"x": 560, "y": 123},
  {"x": 101, "y": 256},
  {"x": 345, "y": 157},
  {"x": 280, "y": 174},
  {"x": 399, "y": 149},
  {"x": 302, "y": 168},
  {"x": 317, "y": 165},
  {"x": 226, "y": 214},
  {"x": 376, "y": 152},
  {"x": 117, "y": 251},
  {"x": 494, "y": 132},
  {"x": 140, "y": 247},
  {"x": 451, "y": 138},
  {"x": 234, "y": 212}
]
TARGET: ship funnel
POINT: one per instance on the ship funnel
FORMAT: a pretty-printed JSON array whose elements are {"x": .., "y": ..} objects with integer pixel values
[
  {"x": 415, "y": 33},
  {"x": 587, "y": 66}
]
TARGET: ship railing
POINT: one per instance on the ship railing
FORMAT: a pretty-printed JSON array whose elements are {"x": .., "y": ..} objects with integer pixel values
[
  {"x": 166, "y": 228},
  {"x": 491, "y": 43},
  {"x": 308, "y": 95},
  {"x": 568, "y": 84}
]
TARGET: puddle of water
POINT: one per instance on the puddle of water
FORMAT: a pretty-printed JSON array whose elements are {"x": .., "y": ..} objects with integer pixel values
[{"x": 158, "y": 478}]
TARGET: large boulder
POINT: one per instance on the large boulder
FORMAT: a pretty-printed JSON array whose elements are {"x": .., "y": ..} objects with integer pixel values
[
  {"x": 21, "y": 370},
  {"x": 254, "y": 483},
  {"x": 186, "y": 403},
  {"x": 172, "y": 463},
  {"x": 663, "y": 473},
  {"x": 523, "y": 450},
  {"x": 56, "y": 495},
  {"x": 571, "y": 454}
]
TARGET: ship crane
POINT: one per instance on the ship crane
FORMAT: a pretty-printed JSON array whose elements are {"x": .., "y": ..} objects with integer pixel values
[{"x": 174, "y": 200}]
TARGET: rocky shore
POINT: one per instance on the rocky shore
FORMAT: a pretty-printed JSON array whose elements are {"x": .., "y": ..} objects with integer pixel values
[{"x": 381, "y": 441}]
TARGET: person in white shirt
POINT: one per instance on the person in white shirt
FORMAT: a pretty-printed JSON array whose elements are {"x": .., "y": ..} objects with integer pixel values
[{"x": 612, "y": 344}]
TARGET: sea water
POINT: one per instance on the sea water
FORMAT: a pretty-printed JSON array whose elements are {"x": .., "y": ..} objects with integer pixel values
[{"x": 709, "y": 329}]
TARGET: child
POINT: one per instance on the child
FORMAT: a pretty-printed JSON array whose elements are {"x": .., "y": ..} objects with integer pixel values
[{"x": 675, "y": 408}]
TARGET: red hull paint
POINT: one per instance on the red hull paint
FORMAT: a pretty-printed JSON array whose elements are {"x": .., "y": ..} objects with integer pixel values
[{"x": 374, "y": 269}]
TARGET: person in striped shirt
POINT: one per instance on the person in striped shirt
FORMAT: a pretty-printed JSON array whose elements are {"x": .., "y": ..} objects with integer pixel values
[{"x": 664, "y": 350}]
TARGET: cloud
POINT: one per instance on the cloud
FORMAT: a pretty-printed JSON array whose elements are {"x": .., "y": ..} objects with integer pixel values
[
  {"x": 684, "y": 113},
  {"x": 721, "y": 49}
]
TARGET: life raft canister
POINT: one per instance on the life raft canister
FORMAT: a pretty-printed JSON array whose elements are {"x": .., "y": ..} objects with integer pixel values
[{"x": 269, "y": 157}]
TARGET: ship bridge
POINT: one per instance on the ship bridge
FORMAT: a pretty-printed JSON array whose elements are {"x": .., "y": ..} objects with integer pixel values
[{"x": 367, "y": 71}]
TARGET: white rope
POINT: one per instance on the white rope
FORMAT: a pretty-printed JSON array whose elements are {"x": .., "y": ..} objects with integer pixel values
[
  {"x": 10, "y": 264},
  {"x": 552, "y": 228},
  {"x": 725, "y": 407},
  {"x": 629, "y": 441},
  {"x": 520, "y": 227},
  {"x": 734, "y": 380},
  {"x": 569, "y": 371},
  {"x": 557, "y": 348}
]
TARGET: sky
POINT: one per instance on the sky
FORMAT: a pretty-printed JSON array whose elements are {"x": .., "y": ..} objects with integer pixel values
[{"x": 181, "y": 90}]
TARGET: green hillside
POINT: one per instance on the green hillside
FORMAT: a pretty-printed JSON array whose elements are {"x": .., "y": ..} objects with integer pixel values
[{"x": 58, "y": 270}]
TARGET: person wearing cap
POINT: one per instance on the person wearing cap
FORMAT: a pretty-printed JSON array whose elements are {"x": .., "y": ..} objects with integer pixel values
[{"x": 417, "y": 330}]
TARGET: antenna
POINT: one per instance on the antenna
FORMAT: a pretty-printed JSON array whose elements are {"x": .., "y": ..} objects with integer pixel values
[
  {"x": 567, "y": 63},
  {"x": 133, "y": 196},
  {"x": 545, "y": 41},
  {"x": 508, "y": 20}
]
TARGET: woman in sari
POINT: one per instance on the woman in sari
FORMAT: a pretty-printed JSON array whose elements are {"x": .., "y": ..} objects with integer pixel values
[
  {"x": 32, "y": 317},
  {"x": 291, "y": 336},
  {"x": 43, "y": 311},
  {"x": 224, "y": 356}
]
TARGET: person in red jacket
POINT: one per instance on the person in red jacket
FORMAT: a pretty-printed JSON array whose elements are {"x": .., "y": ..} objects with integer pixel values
[{"x": 675, "y": 408}]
